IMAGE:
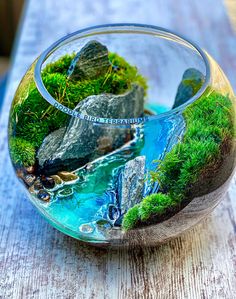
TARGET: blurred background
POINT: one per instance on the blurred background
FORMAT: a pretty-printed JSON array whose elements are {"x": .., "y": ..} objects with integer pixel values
[{"x": 10, "y": 12}]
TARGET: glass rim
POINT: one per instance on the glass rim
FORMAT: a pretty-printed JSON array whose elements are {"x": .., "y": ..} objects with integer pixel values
[{"x": 117, "y": 28}]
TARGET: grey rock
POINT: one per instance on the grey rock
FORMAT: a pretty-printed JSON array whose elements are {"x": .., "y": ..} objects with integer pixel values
[
  {"x": 43, "y": 195},
  {"x": 38, "y": 185},
  {"x": 131, "y": 183},
  {"x": 118, "y": 222},
  {"x": 67, "y": 176},
  {"x": 47, "y": 182},
  {"x": 50, "y": 144},
  {"x": 113, "y": 212},
  {"x": 192, "y": 81},
  {"x": 103, "y": 225},
  {"x": 91, "y": 61},
  {"x": 84, "y": 141},
  {"x": 29, "y": 179},
  {"x": 57, "y": 179},
  {"x": 65, "y": 193}
]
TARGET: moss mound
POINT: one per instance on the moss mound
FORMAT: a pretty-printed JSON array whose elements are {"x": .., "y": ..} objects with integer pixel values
[
  {"x": 22, "y": 151},
  {"x": 33, "y": 118},
  {"x": 153, "y": 205},
  {"x": 209, "y": 130}
]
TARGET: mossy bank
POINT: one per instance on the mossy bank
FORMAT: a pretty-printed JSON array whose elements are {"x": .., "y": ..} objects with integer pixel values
[{"x": 189, "y": 169}]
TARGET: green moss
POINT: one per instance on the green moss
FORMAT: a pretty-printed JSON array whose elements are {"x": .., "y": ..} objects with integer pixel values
[
  {"x": 33, "y": 118},
  {"x": 131, "y": 218},
  {"x": 154, "y": 204},
  {"x": 209, "y": 121},
  {"x": 126, "y": 73},
  {"x": 59, "y": 66},
  {"x": 22, "y": 152},
  {"x": 209, "y": 124}
]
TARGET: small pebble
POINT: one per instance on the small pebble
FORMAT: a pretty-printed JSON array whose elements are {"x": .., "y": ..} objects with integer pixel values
[
  {"x": 20, "y": 173},
  {"x": 38, "y": 185},
  {"x": 65, "y": 192},
  {"x": 30, "y": 169},
  {"x": 148, "y": 112},
  {"x": 67, "y": 176},
  {"x": 43, "y": 195},
  {"x": 113, "y": 212},
  {"x": 47, "y": 182},
  {"x": 29, "y": 179},
  {"x": 103, "y": 224},
  {"x": 57, "y": 179},
  {"x": 31, "y": 189},
  {"x": 86, "y": 228}
]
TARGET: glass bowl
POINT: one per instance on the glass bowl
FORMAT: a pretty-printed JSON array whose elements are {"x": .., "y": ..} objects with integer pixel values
[{"x": 123, "y": 134}]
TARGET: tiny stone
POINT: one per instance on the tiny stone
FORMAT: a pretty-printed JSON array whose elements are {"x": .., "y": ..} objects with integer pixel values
[
  {"x": 31, "y": 189},
  {"x": 113, "y": 212},
  {"x": 29, "y": 179},
  {"x": 43, "y": 195},
  {"x": 38, "y": 185},
  {"x": 148, "y": 112},
  {"x": 103, "y": 224},
  {"x": 20, "y": 173},
  {"x": 57, "y": 179},
  {"x": 47, "y": 182},
  {"x": 30, "y": 169},
  {"x": 65, "y": 192},
  {"x": 67, "y": 176},
  {"x": 86, "y": 228}
]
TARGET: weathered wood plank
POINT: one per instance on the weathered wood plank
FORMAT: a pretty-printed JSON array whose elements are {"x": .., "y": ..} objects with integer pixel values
[
  {"x": 36, "y": 261},
  {"x": 231, "y": 8}
]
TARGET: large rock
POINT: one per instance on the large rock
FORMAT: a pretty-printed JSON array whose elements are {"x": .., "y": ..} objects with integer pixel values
[
  {"x": 83, "y": 141},
  {"x": 131, "y": 183},
  {"x": 91, "y": 61},
  {"x": 191, "y": 82},
  {"x": 50, "y": 145}
]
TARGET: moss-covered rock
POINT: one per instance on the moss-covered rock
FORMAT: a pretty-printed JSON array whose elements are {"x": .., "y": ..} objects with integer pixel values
[
  {"x": 90, "y": 62},
  {"x": 33, "y": 118},
  {"x": 83, "y": 141}
]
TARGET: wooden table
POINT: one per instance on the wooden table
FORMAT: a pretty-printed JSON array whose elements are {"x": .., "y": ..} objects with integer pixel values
[{"x": 36, "y": 261}]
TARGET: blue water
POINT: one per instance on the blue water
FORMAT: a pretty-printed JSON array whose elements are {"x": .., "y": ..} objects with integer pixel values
[
  {"x": 155, "y": 109},
  {"x": 77, "y": 206}
]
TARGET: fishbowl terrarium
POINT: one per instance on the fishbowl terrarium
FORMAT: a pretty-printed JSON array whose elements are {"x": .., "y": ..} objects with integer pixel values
[{"x": 123, "y": 134}]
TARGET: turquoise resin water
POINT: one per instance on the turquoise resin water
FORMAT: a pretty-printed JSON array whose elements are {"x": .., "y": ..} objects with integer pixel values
[{"x": 75, "y": 207}]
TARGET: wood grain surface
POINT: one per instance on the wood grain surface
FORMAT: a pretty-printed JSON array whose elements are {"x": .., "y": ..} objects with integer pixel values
[
  {"x": 231, "y": 8},
  {"x": 37, "y": 261}
]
